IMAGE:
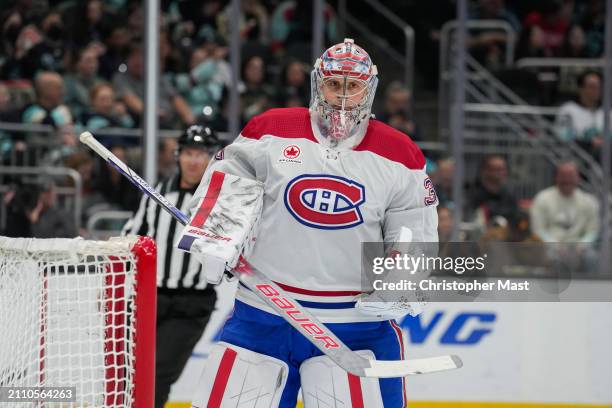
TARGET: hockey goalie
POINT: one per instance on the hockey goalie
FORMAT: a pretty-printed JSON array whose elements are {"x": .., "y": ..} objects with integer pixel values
[{"x": 296, "y": 194}]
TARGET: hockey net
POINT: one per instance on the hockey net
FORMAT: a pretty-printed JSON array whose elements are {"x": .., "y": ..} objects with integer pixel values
[{"x": 77, "y": 313}]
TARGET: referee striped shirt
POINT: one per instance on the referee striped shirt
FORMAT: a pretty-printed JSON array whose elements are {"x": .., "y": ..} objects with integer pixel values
[{"x": 176, "y": 269}]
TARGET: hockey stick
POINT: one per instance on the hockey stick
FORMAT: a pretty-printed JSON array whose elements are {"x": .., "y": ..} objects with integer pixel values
[{"x": 275, "y": 297}]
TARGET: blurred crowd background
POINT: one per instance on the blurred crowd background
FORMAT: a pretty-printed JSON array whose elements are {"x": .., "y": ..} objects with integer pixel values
[{"x": 531, "y": 173}]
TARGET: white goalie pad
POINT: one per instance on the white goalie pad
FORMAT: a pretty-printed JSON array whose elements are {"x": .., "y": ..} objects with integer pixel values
[
  {"x": 223, "y": 223},
  {"x": 325, "y": 384},
  {"x": 234, "y": 376}
]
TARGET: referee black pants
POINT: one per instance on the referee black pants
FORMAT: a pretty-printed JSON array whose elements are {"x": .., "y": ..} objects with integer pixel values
[{"x": 182, "y": 315}]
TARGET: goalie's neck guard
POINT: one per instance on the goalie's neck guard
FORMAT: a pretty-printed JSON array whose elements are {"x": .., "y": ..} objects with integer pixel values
[{"x": 343, "y": 84}]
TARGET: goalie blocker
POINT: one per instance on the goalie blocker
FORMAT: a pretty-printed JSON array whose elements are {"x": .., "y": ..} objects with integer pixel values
[{"x": 222, "y": 225}]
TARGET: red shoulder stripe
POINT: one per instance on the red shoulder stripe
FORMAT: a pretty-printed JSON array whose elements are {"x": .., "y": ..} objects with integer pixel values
[
  {"x": 392, "y": 144},
  {"x": 289, "y": 123}
]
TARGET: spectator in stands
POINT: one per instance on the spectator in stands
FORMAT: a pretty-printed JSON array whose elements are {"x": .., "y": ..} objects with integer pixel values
[
  {"x": 83, "y": 78},
  {"x": 397, "y": 99},
  {"x": 294, "y": 86},
  {"x": 214, "y": 45},
  {"x": 256, "y": 96},
  {"x": 591, "y": 17},
  {"x": 30, "y": 9},
  {"x": 55, "y": 154},
  {"x": 398, "y": 110},
  {"x": 7, "y": 114},
  {"x": 48, "y": 53},
  {"x": 107, "y": 112},
  {"x": 201, "y": 16},
  {"x": 33, "y": 213},
  {"x": 582, "y": 121},
  {"x": 11, "y": 25},
  {"x": 495, "y": 10},
  {"x": 5, "y": 101},
  {"x": 8, "y": 111},
  {"x": 171, "y": 59},
  {"x": 20, "y": 205},
  {"x": 117, "y": 46},
  {"x": 87, "y": 20},
  {"x": 49, "y": 108},
  {"x": 554, "y": 23},
  {"x": 130, "y": 89},
  {"x": 564, "y": 212},
  {"x": 117, "y": 191},
  {"x": 489, "y": 202},
  {"x": 574, "y": 45},
  {"x": 201, "y": 86},
  {"x": 531, "y": 44},
  {"x": 253, "y": 22},
  {"x": 488, "y": 45},
  {"x": 291, "y": 28},
  {"x": 404, "y": 123},
  {"x": 136, "y": 17},
  {"x": 184, "y": 300},
  {"x": 443, "y": 181},
  {"x": 19, "y": 34},
  {"x": 92, "y": 199},
  {"x": 503, "y": 232}
]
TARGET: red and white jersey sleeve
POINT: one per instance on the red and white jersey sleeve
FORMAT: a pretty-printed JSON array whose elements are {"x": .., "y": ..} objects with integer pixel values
[
  {"x": 321, "y": 204},
  {"x": 413, "y": 205}
]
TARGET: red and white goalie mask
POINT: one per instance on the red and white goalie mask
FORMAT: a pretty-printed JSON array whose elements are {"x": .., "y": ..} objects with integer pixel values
[{"x": 343, "y": 84}]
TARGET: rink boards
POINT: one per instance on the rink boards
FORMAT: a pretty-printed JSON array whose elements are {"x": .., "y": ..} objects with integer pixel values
[{"x": 515, "y": 354}]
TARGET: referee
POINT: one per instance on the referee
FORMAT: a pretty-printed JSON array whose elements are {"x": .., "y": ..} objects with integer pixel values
[{"x": 184, "y": 300}]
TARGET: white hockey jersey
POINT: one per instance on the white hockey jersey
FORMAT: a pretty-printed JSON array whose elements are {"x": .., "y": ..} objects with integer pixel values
[{"x": 320, "y": 204}]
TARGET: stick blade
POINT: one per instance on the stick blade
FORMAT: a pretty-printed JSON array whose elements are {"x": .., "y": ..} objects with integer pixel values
[{"x": 403, "y": 368}]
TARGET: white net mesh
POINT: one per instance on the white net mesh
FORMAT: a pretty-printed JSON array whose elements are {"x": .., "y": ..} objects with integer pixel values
[{"x": 67, "y": 317}]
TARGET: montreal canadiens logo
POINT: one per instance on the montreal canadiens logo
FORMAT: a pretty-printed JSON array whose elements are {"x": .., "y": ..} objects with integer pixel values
[
  {"x": 326, "y": 202},
  {"x": 292, "y": 152}
]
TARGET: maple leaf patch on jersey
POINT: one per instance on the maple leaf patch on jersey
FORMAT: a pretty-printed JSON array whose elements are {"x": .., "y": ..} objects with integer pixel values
[
  {"x": 291, "y": 154},
  {"x": 324, "y": 201}
]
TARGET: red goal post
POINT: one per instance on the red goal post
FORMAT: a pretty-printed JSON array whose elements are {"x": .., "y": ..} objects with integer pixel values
[{"x": 78, "y": 313}]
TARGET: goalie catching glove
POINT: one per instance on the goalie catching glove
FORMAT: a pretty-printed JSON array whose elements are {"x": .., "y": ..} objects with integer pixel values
[
  {"x": 223, "y": 223},
  {"x": 395, "y": 305},
  {"x": 373, "y": 304}
]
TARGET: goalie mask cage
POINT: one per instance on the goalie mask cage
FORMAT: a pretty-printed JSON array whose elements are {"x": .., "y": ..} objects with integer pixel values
[{"x": 77, "y": 313}]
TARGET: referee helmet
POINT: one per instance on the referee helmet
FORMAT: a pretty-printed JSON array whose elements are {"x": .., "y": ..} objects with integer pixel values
[{"x": 199, "y": 136}]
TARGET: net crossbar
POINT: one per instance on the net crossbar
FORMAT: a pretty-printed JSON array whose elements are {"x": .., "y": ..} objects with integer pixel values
[{"x": 77, "y": 313}]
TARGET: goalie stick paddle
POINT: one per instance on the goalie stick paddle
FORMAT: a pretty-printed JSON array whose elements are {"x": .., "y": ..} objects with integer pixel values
[{"x": 275, "y": 297}]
